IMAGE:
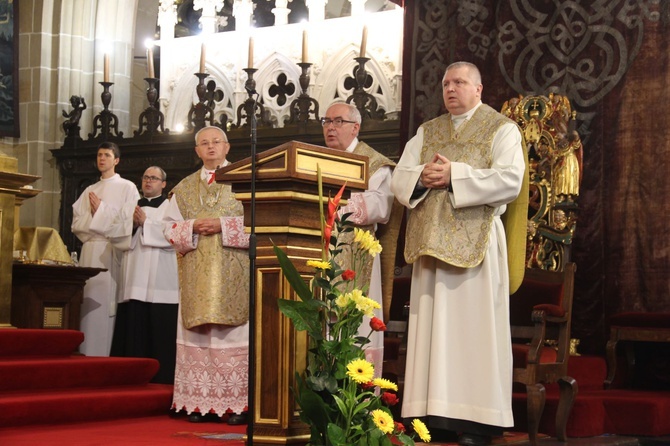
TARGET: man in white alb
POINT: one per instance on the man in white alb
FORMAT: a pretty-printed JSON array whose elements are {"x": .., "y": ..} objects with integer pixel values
[
  {"x": 457, "y": 175},
  {"x": 102, "y": 217}
]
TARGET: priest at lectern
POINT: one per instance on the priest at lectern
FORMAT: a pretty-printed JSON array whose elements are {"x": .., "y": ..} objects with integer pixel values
[{"x": 205, "y": 224}]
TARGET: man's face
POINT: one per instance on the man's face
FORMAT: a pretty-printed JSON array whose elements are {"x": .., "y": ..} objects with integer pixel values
[
  {"x": 106, "y": 161},
  {"x": 459, "y": 91},
  {"x": 339, "y": 138},
  {"x": 212, "y": 148},
  {"x": 152, "y": 183}
]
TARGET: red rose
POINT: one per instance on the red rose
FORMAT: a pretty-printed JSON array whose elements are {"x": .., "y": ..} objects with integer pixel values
[
  {"x": 399, "y": 427},
  {"x": 390, "y": 399},
  {"x": 348, "y": 274},
  {"x": 377, "y": 324},
  {"x": 368, "y": 386}
]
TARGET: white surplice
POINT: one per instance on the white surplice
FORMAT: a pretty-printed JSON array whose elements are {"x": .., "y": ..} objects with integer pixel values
[
  {"x": 111, "y": 223},
  {"x": 149, "y": 271},
  {"x": 372, "y": 207},
  {"x": 459, "y": 355}
]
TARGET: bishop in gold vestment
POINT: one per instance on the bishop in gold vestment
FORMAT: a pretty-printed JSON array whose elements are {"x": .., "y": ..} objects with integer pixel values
[{"x": 204, "y": 223}]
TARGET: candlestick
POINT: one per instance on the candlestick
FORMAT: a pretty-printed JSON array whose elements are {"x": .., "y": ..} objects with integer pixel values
[
  {"x": 304, "y": 46},
  {"x": 202, "y": 57},
  {"x": 150, "y": 62},
  {"x": 364, "y": 40},
  {"x": 250, "y": 63},
  {"x": 105, "y": 71}
]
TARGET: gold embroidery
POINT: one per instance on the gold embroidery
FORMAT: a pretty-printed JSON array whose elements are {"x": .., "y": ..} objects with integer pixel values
[
  {"x": 214, "y": 283},
  {"x": 456, "y": 236}
]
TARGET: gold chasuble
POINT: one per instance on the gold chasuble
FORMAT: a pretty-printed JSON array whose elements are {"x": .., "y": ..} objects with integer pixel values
[
  {"x": 458, "y": 237},
  {"x": 214, "y": 287},
  {"x": 364, "y": 272}
]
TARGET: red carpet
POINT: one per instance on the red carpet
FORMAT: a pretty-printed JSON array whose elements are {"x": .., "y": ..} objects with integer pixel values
[
  {"x": 161, "y": 430},
  {"x": 158, "y": 430}
]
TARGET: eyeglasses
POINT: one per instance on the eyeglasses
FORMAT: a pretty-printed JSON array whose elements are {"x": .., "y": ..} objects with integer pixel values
[
  {"x": 206, "y": 143},
  {"x": 337, "y": 122},
  {"x": 151, "y": 179}
]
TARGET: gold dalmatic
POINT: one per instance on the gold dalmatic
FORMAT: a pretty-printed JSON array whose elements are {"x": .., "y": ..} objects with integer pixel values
[
  {"x": 214, "y": 283},
  {"x": 458, "y": 237},
  {"x": 364, "y": 272}
]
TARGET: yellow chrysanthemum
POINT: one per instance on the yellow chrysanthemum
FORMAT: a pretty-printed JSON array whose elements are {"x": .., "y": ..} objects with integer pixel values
[
  {"x": 367, "y": 242},
  {"x": 385, "y": 384},
  {"x": 375, "y": 248},
  {"x": 421, "y": 430},
  {"x": 383, "y": 421},
  {"x": 343, "y": 300},
  {"x": 364, "y": 304},
  {"x": 360, "y": 371},
  {"x": 318, "y": 264},
  {"x": 359, "y": 235}
]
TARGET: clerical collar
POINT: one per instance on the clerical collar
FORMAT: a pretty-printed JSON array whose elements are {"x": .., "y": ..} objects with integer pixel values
[
  {"x": 152, "y": 202},
  {"x": 205, "y": 173},
  {"x": 460, "y": 119},
  {"x": 353, "y": 145}
]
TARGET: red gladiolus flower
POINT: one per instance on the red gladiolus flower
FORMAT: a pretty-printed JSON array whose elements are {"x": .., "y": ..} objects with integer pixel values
[
  {"x": 332, "y": 214},
  {"x": 377, "y": 324},
  {"x": 399, "y": 427},
  {"x": 390, "y": 399},
  {"x": 348, "y": 274}
]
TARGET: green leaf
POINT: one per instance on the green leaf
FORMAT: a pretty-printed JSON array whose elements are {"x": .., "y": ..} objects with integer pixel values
[
  {"x": 336, "y": 435},
  {"x": 294, "y": 279},
  {"x": 305, "y": 315}
]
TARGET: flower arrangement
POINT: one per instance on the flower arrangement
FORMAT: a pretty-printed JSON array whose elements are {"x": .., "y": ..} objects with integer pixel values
[{"x": 339, "y": 396}]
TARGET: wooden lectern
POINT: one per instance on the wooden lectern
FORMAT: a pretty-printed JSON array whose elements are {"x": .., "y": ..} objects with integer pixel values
[{"x": 286, "y": 215}]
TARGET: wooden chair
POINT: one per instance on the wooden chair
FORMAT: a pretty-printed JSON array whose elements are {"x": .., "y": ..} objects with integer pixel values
[{"x": 541, "y": 311}]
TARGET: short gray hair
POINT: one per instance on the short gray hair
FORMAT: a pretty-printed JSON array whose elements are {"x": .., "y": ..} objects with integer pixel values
[
  {"x": 223, "y": 134},
  {"x": 354, "y": 113},
  {"x": 473, "y": 71}
]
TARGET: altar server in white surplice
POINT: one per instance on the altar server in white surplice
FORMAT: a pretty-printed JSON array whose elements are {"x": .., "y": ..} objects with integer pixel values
[
  {"x": 457, "y": 175},
  {"x": 205, "y": 224},
  {"x": 148, "y": 295},
  {"x": 103, "y": 217}
]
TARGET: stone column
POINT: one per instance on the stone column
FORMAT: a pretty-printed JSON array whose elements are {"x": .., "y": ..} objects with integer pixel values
[
  {"x": 317, "y": 10},
  {"x": 281, "y": 12},
  {"x": 243, "y": 10},
  {"x": 208, "y": 17},
  {"x": 167, "y": 18}
]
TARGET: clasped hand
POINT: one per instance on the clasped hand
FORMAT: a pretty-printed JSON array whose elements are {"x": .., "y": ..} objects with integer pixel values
[
  {"x": 437, "y": 173},
  {"x": 139, "y": 216},
  {"x": 207, "y": 226}
]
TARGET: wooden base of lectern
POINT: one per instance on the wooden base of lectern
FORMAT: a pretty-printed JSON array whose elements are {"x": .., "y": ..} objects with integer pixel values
[{"x": 287, "y": 216}]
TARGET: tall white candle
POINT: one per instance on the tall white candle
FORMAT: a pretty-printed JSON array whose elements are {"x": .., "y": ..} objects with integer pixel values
[
  {"x": 150, "y": 62},
  {"x": 202, "y": 57},
  {"x": 105, "y": 71},
  {"x": 250, "y": 62},
  {"x": 305, "y": 56},
  {"x": 364, "y": 40}
]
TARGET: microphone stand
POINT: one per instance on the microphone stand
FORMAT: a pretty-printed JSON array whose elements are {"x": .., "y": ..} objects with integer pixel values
[{"x": 251, "y": 116}]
